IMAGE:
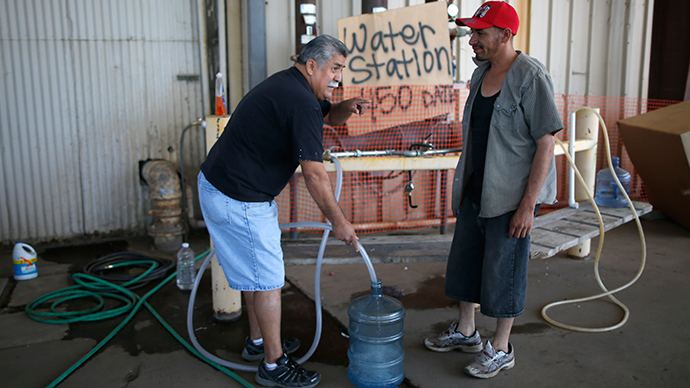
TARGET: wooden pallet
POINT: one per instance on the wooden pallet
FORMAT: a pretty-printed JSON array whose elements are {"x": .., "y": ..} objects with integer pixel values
[
  {"x": 565, "y": 228},
  {"x": 552, "y": 232}
]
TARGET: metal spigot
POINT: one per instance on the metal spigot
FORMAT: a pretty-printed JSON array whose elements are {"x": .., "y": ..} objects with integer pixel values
[{"x": 409, "y": 187}]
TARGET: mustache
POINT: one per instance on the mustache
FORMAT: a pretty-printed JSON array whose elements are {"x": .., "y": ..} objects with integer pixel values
[{"x": 332, "y": 84}]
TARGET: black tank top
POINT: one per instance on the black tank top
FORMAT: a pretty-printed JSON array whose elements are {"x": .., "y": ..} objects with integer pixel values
[{"x": 480, "y": 122}]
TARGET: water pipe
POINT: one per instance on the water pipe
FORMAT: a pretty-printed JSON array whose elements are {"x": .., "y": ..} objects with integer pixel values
[
  {"x": 406, "y": 153},
  {"x": 166, "y": 204},
  {"x": 571, "y": 175},
  {"x": 185, "y": 216}
]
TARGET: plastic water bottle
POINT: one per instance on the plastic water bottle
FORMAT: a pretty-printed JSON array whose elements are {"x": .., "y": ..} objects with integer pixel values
[
  {"x": 220, "y": 96},
  {"x": 24, "y": 260},
  {"x": 608, "y": 194},
  {"x": 186, "y": 274},
  {"x": 376, "y": 340}
]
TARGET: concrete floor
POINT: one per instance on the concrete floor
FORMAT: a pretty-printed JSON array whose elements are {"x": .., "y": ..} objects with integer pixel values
[{"x": 648, "y": 351}]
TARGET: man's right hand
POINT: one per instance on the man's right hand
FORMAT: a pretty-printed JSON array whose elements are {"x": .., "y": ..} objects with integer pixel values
[
  {"x": 319, "y": 186},
  {"x": 345, "y": 232}
]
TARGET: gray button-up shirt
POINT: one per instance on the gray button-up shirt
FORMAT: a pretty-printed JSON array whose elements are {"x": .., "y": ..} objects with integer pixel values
[{"x": 524, "y": 112}]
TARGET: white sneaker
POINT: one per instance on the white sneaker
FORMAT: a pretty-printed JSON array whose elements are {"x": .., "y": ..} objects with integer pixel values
[
  {"x": 490, "y": 362},
  {"x": 451, "y": 340}
]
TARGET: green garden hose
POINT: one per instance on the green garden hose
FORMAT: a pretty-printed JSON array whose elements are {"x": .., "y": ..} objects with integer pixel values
[{"x": 98, "y": 289}]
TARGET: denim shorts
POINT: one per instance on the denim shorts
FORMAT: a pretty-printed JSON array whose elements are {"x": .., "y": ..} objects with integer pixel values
[
  {"x": 485, "y": 266},
  {"x": 246, "y": 237}
]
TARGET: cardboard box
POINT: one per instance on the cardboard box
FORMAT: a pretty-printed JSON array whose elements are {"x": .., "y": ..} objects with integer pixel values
[{"x": 658, "y": 143}]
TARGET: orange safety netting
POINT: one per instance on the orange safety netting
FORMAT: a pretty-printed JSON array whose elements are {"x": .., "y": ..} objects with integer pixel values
[{"x": 412, "y": 117}]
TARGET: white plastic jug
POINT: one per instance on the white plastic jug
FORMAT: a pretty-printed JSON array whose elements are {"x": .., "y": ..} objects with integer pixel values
[{"x": 24, "y": 259}]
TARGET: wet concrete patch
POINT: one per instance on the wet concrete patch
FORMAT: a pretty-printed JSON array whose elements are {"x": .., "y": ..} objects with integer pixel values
[
  {"x": 81, "y": 254},
  {"x": 531, "y": 328},
  {"x": 20, "y": 330},
  {"x": 144, "y": 334},
  {"x": 440, "y": 327},
  {"x": 3, "y": 286},
  {"x": 430, "y": 295},
  {"x": 26, "y": 291},
  {"x": 37, "y": 365},
  {"x": 299, "y": 321}
]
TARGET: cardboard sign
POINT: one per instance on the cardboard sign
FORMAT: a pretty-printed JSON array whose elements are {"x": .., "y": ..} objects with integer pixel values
[
  {"x": 394, "y": 105},
  {"x": 388, "y": 52},
  {"x": 405, "y": 46}
]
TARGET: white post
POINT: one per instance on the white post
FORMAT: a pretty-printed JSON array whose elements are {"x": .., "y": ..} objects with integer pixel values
[
  {"x": 571, "y": 172},
  {"x": 587, "y": 128},
  {"x": 227, "y": 303}
]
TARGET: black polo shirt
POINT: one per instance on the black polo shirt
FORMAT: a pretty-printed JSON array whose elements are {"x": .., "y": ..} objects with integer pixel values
[{"x": 275, "y": 126}]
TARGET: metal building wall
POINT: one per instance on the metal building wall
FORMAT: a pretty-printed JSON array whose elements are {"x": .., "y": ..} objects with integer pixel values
[
  {"x": 280, "y": 27},
  {"x": 88, "y": 89},
  {"x": 280, "y": 34},
  {"x": 590, "y": 47},
  {"x": 594, "y": 47}
]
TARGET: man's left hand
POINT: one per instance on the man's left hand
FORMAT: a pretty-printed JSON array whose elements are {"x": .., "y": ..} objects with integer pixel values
[
  {"x": 342, "y": 111},
  {"x": 521, "y": 223}
]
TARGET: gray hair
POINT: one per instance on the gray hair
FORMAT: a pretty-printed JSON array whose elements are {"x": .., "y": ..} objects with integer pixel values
[{"x": 322, "y": 49}]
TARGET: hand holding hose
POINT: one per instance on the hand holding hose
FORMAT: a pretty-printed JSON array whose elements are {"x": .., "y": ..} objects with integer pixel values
[
  {"x": 345, "y": 232},
  {"x": 319, "y": 185}
]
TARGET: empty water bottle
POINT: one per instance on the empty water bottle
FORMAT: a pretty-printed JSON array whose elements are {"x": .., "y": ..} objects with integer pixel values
[
  {"x": 608, "y": 193},
  {"x": 376, "y": 340},
  {"x": 185, "y": 267}
]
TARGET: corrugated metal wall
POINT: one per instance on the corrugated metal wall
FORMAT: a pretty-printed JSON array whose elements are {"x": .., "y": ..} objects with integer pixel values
[
  {"x": 590, "y": 47},
  {"x": 90, "y": 88},
  {"x": 594, "y": 47}
]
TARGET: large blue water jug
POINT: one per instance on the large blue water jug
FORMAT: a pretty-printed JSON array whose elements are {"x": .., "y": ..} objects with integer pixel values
[
  {"x": 376, "y": 340},
  {"x": 608, "y": 194}
]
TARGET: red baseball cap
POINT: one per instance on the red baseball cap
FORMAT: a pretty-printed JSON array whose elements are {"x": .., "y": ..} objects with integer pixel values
[{"x": 493, "y": 14}]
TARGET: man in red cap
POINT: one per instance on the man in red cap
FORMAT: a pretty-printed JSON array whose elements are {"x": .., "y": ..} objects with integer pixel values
[{"x": 506, "y": 170}]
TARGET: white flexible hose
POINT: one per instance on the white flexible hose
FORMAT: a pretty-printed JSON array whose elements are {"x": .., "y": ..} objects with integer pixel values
[
  {"x": 317, "y": 284},
  {"x": 606, "y": 292}
]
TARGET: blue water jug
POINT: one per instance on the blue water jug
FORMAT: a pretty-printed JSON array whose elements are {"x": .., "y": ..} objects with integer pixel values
[
  {"x": 376, "y": 340},
  {"x": 608, "y": 194}
]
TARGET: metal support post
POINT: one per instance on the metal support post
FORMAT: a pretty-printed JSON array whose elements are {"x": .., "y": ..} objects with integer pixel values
[
  {"x": 227, "y": 303},
  {"x": 587, "y": 128}
]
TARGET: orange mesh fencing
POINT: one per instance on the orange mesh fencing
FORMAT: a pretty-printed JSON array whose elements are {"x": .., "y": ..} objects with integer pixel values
[
  {"x": 412, "y": 117},
  {"x": 611, "y": 109}
]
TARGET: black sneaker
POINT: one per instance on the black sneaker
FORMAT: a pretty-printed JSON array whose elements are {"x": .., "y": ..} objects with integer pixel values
[
  {"x": 253, "y": 352},
  {"x": 288, "y": 374}
]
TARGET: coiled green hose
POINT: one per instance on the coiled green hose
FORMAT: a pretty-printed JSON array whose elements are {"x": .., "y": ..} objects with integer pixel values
[{"x": 93, "y": 287}]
